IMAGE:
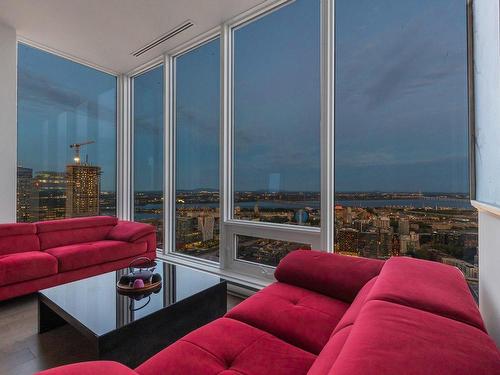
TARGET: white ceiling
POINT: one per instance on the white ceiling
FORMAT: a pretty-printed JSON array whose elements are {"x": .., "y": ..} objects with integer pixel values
[{"x": 105, "y": 32}]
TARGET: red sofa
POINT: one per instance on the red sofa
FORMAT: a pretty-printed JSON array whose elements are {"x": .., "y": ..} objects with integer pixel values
[
  {"x": 44, "y": 254},
  {"x": 336, "y": 315}
]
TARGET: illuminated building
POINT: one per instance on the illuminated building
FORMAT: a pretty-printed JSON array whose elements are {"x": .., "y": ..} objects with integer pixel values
[
  {"x": 206, "y": 226},
  {"x": 348, "y": 240},
  {"x": 24, "y": 194},
  {"x": 49, "y": 195},
  {"x": 83, "y": 190}
]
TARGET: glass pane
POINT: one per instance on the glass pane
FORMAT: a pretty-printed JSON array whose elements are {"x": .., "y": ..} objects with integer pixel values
[
  {"x": 265, "y": 251},
  {"x": 148, "y": 149},
  {"x": 66, "y": 138},
  {"x": 277, "y": 116},
  {"x": 401, "y": 136},
  {"x": 197, "y": 105}
]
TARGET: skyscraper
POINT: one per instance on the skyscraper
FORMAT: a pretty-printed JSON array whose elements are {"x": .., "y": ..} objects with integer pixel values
[
  {"x": 24, "y": 194},
  {"x": 49, "y": 195},
  {"x": 206, "y": 226},
  {"x": 404, "y": 226},
  {"x": 83, "y": 190}
]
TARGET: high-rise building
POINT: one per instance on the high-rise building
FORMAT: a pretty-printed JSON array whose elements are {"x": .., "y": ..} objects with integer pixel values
[
  {"x": 348, "y": 240},
  {"x": 24, "y": 194},
  {"x": 83, "y": 190},
  {"x": 404, "y": 226},
  {"x": 382, "y": 222},
  {"x": 49, "y": 195},
  {"x": 206, "y": 225},
  {"x": 409, "y": 243}
]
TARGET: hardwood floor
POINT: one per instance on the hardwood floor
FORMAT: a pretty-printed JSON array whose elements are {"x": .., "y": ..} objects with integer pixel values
[{"x": 23, "y": 351}]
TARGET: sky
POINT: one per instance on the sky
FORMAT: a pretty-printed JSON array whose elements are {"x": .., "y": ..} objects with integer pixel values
[{"x": 400, "y": 109}]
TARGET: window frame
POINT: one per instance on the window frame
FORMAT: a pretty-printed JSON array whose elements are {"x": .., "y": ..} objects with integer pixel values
[
  {"x": 320, "y": 238},
  {"x": 122, "y": 101},
  {"x": 129, "y": 173}
]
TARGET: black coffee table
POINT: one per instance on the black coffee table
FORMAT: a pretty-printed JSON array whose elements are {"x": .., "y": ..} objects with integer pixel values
[{"x": 130, "y": 331}]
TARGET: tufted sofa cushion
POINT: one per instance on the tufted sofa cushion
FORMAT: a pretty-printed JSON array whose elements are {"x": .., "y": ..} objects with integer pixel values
[
  {"x": 298, "y": 316},
  {"x": 229, "y": 347}
]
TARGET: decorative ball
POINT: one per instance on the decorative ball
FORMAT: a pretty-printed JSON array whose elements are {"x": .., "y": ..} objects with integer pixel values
[
  {"x": 138, "y": 283},
  {"x": 156, "y": 277}
]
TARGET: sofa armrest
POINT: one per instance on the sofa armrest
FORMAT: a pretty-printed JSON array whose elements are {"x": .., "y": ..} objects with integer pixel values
[
  {"x": 130, "y": 231},
  {"x": 90, "y": 368},
  {"x": 337, "y": 276}
]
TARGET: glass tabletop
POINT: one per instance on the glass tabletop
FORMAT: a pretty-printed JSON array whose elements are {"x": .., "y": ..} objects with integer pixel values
[{"x": 96, "y": 304}]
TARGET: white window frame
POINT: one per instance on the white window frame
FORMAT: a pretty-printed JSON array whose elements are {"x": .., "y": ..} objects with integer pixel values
[
  {"x": 170, "y": 146},
  {"x": 127, "y": 211},
  {"x": 246, "y": 273}
]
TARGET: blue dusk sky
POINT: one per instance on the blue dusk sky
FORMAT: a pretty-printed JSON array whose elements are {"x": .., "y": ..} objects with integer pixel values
[{"x": 401, "y": 104}]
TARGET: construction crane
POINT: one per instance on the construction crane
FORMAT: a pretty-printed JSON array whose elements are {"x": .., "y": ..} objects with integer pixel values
[{"x": 77, "y": 146}]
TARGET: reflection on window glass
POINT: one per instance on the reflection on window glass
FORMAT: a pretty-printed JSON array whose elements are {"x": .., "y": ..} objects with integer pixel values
[
  {"x": 148, "y": 149},
  {"x": 66, "y": 138},
  {"x": 277, "y": 116},
  {"x": 401, "y": 168},
  {"x": 197, "y": 107},
  {"x": 265, "y": 251}
]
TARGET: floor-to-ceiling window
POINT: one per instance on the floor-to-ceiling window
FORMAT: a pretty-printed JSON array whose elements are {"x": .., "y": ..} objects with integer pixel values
[
  {"x": 197, "y": 136},
  {"x": 276, "y": 109},
  {"x": 401, "y": 132},
  {"x": 148, "y": 124},
  {"x": 66, "y": 138}
]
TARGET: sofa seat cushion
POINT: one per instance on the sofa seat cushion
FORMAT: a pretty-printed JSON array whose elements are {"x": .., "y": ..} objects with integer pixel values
[
  {"x": 228, "y": 347},
  {"x": 72, "y": 257},
  {"x": 298, "y": 316},
  {"x": 90, "y": 368},
  {"x": 389, "y": 338},
  {"x": 15, "y": 268}
]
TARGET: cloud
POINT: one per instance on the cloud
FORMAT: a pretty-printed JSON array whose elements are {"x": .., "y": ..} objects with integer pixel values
[{"x": 41, "y": 94}]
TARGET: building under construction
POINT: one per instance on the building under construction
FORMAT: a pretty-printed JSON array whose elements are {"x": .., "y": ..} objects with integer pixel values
[{"x": 83, "y": 189}]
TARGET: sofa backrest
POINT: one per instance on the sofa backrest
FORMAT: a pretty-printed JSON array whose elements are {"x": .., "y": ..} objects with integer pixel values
[
  {"x": 415, "y": 317},
  {"x": 18, "y": 238},
  {"x": 388, "y": 338},
  {"x": 70, "y": 231},
  {"x": 337, "y": 276},
  {"x": 429, "y": 286}
]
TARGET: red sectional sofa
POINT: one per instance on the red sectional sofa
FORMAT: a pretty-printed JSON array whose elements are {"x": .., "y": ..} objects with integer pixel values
[
  {"x": 335, "y": 315},
  {"x": 44, "y": 254}
]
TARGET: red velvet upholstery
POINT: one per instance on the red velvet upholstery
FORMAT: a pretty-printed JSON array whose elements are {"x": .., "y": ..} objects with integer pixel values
[
  {"x": 227, "y": 346},
  {"x": 330, "y": 352},
  {"x": 24, "y": 266},
  {"x": 58, "y": 238},
  {"x": 391, "y": 326},
  {"x": 18, "y": 238},
  {"x": 91, "y": 368},
  {"x": 298, "y": 316},
  {"x": 74, "y": 249},
  {"x": 30, "y": 286},
  {"x": 388, "y": 338},
  {"x": 353, "y": 311},
  {"x": 430, "y": 286},
  {"x": 75, "y": 223},
  {"x": 336, "y": 276},
  {"x": 16, "y": 229},
  {"x": 72, "y": 257},
  {"x": 129, "y": 231}
]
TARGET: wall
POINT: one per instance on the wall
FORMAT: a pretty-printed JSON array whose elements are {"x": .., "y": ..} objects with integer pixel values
[
  {"x": 487, "y": 142},
  {"x": 489, "y": 265},
  {"x": 8, "y": 123}
]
